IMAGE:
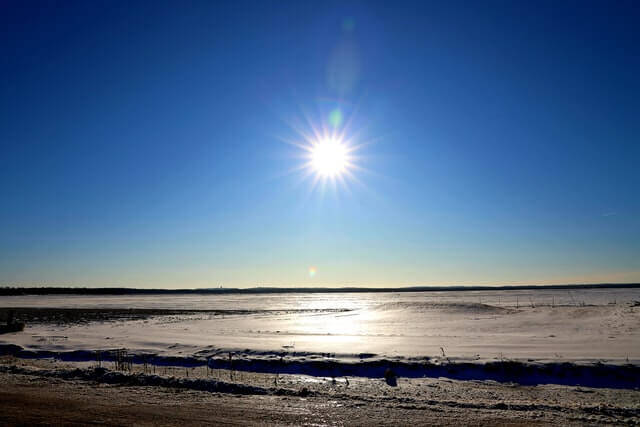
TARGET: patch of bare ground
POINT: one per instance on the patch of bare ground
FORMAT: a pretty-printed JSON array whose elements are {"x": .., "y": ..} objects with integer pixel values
[{"x": 66, "y": 316}]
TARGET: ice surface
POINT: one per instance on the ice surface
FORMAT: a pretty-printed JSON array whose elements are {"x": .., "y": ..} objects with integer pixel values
[{"x": 541, "y": 325}]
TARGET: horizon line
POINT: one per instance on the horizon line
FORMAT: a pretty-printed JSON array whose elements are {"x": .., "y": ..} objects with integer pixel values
[{"x": 9, "y": 290}]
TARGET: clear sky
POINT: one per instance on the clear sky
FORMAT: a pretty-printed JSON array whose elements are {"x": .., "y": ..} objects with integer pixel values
[{"x": 158, "y": 144}]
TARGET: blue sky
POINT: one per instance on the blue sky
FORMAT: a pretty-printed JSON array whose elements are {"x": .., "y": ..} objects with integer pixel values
[{"x": 148, "y": 143}]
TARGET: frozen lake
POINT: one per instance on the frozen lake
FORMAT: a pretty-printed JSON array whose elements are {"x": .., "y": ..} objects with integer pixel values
[{"x": 540, "y": 325}]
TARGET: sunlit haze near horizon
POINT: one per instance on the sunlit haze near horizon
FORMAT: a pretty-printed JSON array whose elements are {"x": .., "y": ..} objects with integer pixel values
[{"x": 294, "y": 143}]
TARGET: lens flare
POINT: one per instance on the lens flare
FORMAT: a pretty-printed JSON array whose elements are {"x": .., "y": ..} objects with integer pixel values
[
  {"x": 335, "y": 118},
  {"x": 312, "y": 271}
]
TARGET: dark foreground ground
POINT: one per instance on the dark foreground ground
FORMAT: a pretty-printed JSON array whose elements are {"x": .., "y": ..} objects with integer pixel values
[
  {"x": 29, "y": 397},
  {"x": 25, "y": 401}
]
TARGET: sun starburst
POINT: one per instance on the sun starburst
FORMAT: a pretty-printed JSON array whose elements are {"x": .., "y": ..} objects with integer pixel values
[{"x": 329, "y": 151}]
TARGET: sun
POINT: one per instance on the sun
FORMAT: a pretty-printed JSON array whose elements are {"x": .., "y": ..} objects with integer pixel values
[
  {"x": 328, "y": 153},
  {"x": 329, "y": 157}
]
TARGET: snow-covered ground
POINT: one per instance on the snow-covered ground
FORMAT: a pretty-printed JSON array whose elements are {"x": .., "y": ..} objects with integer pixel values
[{"x": 541, "y": 325}]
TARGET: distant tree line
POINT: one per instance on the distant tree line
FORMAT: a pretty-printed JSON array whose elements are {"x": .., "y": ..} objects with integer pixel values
[{"x": 15, "y": 290}]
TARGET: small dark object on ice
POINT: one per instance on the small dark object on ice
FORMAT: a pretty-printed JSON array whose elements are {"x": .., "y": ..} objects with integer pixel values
[
  {"x": 635, "y": 303},
  {"x": 12, "y": 325},
  {"x": 304, "y": 392},
  {"x": 390, "y": 377}
]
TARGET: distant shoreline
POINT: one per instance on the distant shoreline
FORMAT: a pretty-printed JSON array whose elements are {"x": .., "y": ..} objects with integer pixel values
[{"x": 15, "y": 291}]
